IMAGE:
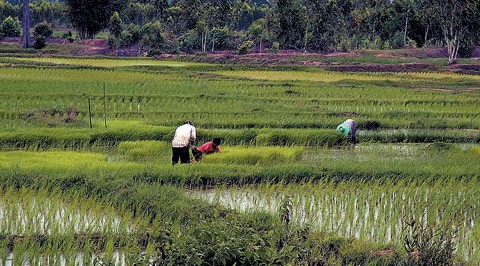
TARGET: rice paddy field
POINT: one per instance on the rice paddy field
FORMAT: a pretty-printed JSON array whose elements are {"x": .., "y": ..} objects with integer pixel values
[{"x": 86, "y": 175}]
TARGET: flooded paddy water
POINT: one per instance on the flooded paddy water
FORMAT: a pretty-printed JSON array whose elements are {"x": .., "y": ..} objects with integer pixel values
[
  {"x": 364, "y": 212},
  {"x": 372, "y": 210},
  {"x": 39, "y": 228}
]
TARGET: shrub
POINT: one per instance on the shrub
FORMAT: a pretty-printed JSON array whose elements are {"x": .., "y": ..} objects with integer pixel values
[
  {"x": 397, "y": 40},
  {"x": 275, "y": 47},
  {"x": 429, "y": 245},
  {"x": 245, "y": 47},
  {"x": 10, "y": 27},
  {"x": 41, "y": 33},
  {"x": 69, "y": 36},
  {"x": 153, "y": 37}
]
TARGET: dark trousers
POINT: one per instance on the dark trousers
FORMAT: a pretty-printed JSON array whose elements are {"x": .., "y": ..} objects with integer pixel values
[
  {"x": 352, "y": 134},
  {"x": 180, "y": 153},
  {"x": 197, "y": 154}
]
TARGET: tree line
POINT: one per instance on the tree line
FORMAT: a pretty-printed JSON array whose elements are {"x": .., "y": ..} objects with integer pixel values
[{"x": 246, "y": 25}]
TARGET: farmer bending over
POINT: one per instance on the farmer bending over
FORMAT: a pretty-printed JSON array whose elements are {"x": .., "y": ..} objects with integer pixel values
[
  {"x": 207, "y": 148},
  {"x": 349, "y": 129},
  {"x": 181, "y": 142}
]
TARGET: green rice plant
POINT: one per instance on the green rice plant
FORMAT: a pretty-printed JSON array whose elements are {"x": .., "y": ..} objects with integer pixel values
[
  {"x": 407, "y": 100},
  {"x": 39, "y": 214},
  {"x": 362, "y": 192},
  {"x": 326, "y": 76},
  {"x": 4, "y": 247},
  {"x": 372, "y": 210},
  {"x": 240, "y": 165},
  {"x": 430, "y": 245},
  {"x": 185, "y": 222},
  {"x": 328, "y": 138},
  {"x": 109, "y": 63},
  {"x": 255, "y": 156},
  {"x": 144, "y": 150},
  {"x": 41, "y": 138}
]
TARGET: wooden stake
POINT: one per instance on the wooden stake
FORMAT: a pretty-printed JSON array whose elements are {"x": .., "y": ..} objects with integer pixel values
[
  {"x": 89, "y": 112},
  {"x": 105, "y": 104}
]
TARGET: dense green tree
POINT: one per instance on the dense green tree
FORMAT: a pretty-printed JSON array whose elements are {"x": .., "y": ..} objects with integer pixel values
[
  {"x": 89, "y": 17},
  {"x": 10, "y": 27},
  {"x": 8, "y": 10},
  {"x": 288, "y": 15},
  {"x": 258, "y": 32},
  {"x": 153, "y": 37},
  {"x": 427, "y": 20},
  {"x": 174, "y": 14},
  {"x": 189, "y": 41},
  {"x": 115, "y": 27},
  {"x": 43, "y": 10},
  {"x": 237, "y": 10},
  {"x": 220, "y": 39},
  {"x": 160, "y": 7},
  {"x": 190, "y": 13},
  {"x": 331, "y": 29},
  {"x": 138, "y": 13},
  {"x": 119, "y": 5}
]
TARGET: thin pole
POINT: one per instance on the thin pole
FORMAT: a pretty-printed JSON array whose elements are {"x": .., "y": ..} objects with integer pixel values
[
  {"x": 89, "y": 112},
  {"x": 105, "y": 104}
]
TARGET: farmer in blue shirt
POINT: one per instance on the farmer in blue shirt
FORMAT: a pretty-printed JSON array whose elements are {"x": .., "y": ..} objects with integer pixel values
[{"x": 349, "y": 129}]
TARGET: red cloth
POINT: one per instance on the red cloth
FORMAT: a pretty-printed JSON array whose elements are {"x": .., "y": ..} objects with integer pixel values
[{"x": 208, "y": 148}]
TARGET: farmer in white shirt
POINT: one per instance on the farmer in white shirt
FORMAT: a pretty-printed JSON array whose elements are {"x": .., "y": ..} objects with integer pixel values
[{"x": 181, "y": 142}]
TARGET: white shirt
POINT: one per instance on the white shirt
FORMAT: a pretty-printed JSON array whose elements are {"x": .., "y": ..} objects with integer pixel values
[
  {"x": 183, "y": 135},
  {"x": 349, "y": 123}
]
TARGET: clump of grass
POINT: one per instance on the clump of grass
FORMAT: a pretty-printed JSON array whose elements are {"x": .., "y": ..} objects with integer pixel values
[{"x": 256, "y": 156}]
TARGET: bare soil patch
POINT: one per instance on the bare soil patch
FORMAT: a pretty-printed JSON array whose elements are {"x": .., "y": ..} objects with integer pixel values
[
  {"x": 404, "y": 67},
  {"x": 453, "y": 91},
  {"x": 409, "y": 52},
  {"x": 91, "y": 47},
  {"x": 465, "y": 69}
]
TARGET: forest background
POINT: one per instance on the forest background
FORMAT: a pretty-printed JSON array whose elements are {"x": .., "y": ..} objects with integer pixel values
[{"x": 191, "y": 26}]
